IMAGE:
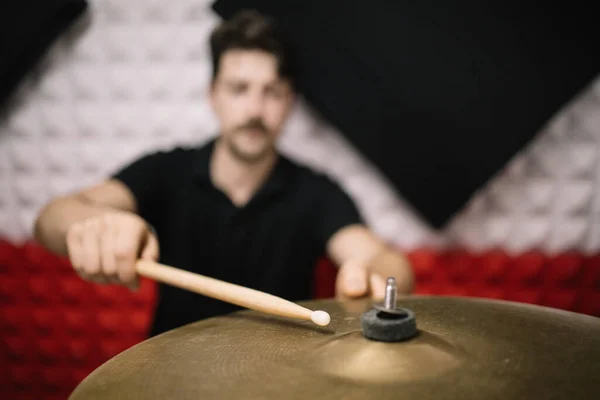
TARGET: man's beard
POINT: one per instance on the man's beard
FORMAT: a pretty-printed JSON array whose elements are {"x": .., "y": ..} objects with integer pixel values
[
  {"x": 248, "y": 158},
  {"x": 255, "y": 124}
]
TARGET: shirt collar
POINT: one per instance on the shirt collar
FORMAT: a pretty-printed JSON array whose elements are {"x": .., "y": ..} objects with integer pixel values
[{"x": 277, "y": 180}]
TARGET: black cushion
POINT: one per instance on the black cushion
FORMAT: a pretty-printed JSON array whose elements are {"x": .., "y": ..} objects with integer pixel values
[
  {"x": 438, "y": 95},
  {"x": 27, "y": 29}
]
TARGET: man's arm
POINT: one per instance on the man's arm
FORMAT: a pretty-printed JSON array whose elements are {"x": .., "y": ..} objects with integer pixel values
[
  {"x": 135, "y": 189},
  {"x": 365, "y": 261},
  {"x": 355, "y": 247},
  {"x": 56, "y": 217}
]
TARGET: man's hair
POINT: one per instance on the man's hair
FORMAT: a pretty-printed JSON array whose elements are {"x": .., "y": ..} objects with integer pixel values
[{"x": 249, "y": 30}]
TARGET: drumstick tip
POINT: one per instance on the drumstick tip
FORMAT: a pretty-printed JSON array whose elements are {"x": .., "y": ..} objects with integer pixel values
[{"x": 320, "y": 318}]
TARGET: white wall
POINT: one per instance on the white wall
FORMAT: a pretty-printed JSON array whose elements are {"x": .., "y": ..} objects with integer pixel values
[{"x": 133, "y": 79}]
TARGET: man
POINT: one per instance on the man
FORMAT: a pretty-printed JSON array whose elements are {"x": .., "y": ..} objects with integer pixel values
[{"x": 233, "y": 209}]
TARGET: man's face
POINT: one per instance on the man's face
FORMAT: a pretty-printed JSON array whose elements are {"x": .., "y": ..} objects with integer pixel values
[{"x": 251, "y": 102}]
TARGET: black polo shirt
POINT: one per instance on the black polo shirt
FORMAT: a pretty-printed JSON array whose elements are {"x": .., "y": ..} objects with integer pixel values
[{"x": 271, "y": 244}]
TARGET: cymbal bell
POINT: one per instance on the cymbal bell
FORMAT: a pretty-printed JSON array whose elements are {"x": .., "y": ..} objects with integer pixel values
[{"x": 465, "y": 349}]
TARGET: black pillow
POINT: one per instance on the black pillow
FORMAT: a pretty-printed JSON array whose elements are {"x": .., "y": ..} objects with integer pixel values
[
  {"x": 27, "y": 29},
  {"x": 438, "y": 95}
]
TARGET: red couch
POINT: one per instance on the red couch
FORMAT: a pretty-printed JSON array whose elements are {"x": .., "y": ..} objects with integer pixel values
[{"x": 55, "y": 328}]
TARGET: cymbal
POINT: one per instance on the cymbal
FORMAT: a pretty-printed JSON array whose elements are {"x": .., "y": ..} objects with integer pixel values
[{"x": 465, "y": 349}]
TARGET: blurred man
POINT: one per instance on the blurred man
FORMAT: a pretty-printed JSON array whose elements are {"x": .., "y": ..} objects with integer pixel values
[{"x": 233, "y": 208}]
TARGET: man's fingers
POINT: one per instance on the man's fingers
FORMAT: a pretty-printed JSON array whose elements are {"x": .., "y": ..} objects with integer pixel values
[
  {"x": 107, "y": 252},
  {"x": 74, "y": 247},
  {"x": 135, "y": 284},
  {"x": 150, "y": 251},
  {"x": 105, "y": 249},
  {"x": 377, "y": 286},
  {"x": 356, "y": 280},
  {"x": 91, "y": 248},
  {"x": 98, "y": 278},
  {"x": 352, "y": 281},
  {"x": 126, "y": 251}
]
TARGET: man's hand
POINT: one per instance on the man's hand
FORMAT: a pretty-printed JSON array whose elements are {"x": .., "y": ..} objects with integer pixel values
[
  {"x": 105, "y": 249},
  {"x": 355, "y": 280},
  {"x": 365, "y": 262}
]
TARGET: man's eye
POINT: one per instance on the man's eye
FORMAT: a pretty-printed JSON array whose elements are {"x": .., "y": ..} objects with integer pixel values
[
  {"x": 238, "y": 88},
  {"x": 275, "y": 92}
]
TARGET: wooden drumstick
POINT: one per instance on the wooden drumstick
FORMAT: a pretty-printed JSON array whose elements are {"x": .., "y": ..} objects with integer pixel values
[{"x": 229, "y": 292}]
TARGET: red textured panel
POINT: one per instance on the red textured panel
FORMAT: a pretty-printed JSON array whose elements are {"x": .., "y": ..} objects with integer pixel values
[
  {"x": 491, "y": 292},
  {"x": 524, "y": 295},
  {"x": 22, "y": 375},
  {"x": 493, "y": 266},
  {"x": 14, "y": 318},
  {"x": 10, "y": 256},
  {"x": 51, "y": 351},
  {"x": 324, "y": 285},
  {"x": 527, "y": 268},
  {"x": 590, "y": 303},
  {"x": 591, "y": 273},
  {"x": 78, "y": 350},
  {"x": 42, "y": 290},
  {"x": 40, "y": 260},
  {"x": 564, "y": 269},
  {"x": 453, "y": 290},
  {"x": 47, "y": 321},
  {"x": 79, "y": 374},
  {"x": 565, "y": 299},
  {"x": 18, "y": 349},
  {"x": 72, "y": 289},
  {"x": 50, "y": 335},
  {"x": 139, "y": 320},
  {"x": 77, "y": 322},
  {"x": 113, "y": 321},
  {"x": 460, "y": 267},
  {"x": 111, "y": 346},
  {"x": 424, "y": 262},
  {"x": 13, "y": 290},
  {"x": 426, "y": 290},
  {"x": 146, "y": 294}
]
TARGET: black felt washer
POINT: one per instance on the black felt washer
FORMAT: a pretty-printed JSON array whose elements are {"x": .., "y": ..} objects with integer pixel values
[{"x": 385, "y": 327}]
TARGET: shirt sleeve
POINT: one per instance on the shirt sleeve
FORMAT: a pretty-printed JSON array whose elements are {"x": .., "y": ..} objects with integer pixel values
[
  {"x": 146, "y": 179},
  {"x": 336, "y": 210}
]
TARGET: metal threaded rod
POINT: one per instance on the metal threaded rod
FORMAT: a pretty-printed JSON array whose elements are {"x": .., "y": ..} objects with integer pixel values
[{"x": 390, "y": 294}]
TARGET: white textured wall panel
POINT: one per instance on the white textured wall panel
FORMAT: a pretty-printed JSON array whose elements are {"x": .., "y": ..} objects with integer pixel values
[{"x": 133, "y": 77}]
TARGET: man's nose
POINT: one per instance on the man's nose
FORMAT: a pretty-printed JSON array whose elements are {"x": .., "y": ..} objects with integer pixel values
[{"x": 255, "y": 106}]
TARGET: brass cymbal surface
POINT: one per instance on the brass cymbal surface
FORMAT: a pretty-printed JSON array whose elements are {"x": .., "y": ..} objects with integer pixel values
[{"x": 465, "y": 349}]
